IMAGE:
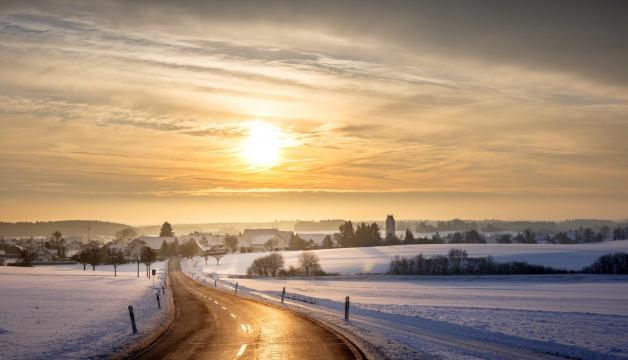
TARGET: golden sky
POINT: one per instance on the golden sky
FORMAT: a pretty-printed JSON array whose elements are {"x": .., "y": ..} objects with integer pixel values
[{"x": 209, "y": 111}]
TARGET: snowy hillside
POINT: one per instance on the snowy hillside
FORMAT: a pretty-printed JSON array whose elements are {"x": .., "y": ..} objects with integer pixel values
[
  {"x": 63, "y": 312},
  {"x": 377, "y": 259}
]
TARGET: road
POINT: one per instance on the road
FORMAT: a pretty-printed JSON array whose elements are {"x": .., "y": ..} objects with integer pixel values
[{"x": 213, "y": 324}]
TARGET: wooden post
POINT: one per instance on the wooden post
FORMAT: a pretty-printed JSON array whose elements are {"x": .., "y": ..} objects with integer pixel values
[
  {"x": 158, "y": 303},
  {"x": 236, "y": 288},
  {"x": 347, "y": 308},
  {"x": 132, "y": 319},
  {"x": 283, "y": 294}
]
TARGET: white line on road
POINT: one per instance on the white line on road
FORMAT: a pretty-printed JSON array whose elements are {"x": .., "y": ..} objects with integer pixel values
[
  {"x": 233, "y": 316},
  {"x": 215, "y": 302},
  {"x": 241, "y": 351},
  {"x": 224, "y": 308}
]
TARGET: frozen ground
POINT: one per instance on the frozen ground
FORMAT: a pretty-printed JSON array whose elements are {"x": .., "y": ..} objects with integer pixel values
[
  {"x": 376, "y": 259},
  {"x": 63, "y": 312},
  {"x": 576, "y": 316}
]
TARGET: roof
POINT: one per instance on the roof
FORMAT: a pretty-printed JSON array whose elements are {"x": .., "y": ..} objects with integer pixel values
[
  {"x": 154, "y": 242},
  {"x": 261, "y": 236}
]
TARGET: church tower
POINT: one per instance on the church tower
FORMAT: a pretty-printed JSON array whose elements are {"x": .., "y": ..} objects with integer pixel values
[{"x": 390, "y": 226}]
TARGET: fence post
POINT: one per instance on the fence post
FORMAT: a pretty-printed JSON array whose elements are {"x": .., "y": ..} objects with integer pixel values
[
  {"x": 158, "y": 303},
  {"x": 283, "y": 294},
  {"x": 236, "y": 288},
  {"x": 347, "y": 308},
  {"x": 163, "y": 289},
  {"x": 132, "y": 319}
]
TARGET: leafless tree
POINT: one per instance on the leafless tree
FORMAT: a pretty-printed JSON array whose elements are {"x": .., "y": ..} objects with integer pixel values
[
  {"x": 308, "y": 261},
  {"x": 116, "y": 257}
]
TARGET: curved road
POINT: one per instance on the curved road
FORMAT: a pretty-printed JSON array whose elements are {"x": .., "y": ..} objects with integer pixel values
[{"x": 212, "y": 324}]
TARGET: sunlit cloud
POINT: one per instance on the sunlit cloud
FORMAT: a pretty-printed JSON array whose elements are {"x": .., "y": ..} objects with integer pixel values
[{"x": 275, "y": 100}]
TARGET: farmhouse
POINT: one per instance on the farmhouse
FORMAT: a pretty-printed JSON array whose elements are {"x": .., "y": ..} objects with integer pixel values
[{"x": 254, "y": 240}]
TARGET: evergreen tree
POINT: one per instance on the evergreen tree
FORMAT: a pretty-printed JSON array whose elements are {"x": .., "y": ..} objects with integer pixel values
[
  {"x": 409, "y": 237},
  {"x": 327, "y": 242},
  {"x": 165, "y": 249},
  {"x": 166, "y": 230},
  {"x": 346, "y": 235}
]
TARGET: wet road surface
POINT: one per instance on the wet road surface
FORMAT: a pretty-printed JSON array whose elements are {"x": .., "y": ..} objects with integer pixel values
[{"x": 213, "y": 324}]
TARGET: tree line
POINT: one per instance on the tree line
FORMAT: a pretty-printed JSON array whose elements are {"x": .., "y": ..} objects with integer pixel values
[{"x": 458, "y": 262}]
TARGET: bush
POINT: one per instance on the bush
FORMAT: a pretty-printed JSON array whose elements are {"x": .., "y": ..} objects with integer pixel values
[{"x": 269, "y": 265}]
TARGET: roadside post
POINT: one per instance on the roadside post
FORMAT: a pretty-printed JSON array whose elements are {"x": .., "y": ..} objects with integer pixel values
[
  {"x": 154, "y": 273},
  {"x": 132, "y": 319},
  {"x": 215, "y": 282},
  {"x": 283, "y": 294},
  {"x": 163, "y": 289},
  {"x": 347, "y": 308},
  {"x": 158, "y": 303},
  {"x": 236, "y": 288}
]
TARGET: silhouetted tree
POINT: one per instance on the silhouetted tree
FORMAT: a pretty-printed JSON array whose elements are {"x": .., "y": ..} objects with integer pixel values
[
  {"x": 116, "y": 257},
  {"x": 166, "y": 230},
  {"x": 409, "y": 237},
  {"x": 327, "y": 242},
  {"x": 345, "y": 235}
]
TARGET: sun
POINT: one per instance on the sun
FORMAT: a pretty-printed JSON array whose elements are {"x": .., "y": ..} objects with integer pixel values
[{"x": 263, "y": 145}]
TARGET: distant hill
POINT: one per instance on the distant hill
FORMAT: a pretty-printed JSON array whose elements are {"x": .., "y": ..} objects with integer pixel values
[{"x": 66, "y": 227}]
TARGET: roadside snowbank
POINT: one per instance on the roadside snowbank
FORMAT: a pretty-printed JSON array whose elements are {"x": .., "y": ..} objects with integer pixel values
[{"x": 63, "y": 312}]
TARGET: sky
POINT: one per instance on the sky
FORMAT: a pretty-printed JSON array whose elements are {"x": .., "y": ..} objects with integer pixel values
[{"x": 200, "y": 111}]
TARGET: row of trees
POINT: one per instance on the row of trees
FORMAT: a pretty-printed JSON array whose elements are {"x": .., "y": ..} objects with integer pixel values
[
  {"x": 93, "y": 254},
  {"x": 363, "y": 235},
  {"x": 457, "y": 262},
  {"x": 273, "y": 265}
]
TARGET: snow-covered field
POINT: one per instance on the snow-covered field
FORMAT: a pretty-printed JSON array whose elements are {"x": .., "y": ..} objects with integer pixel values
[
  {"x": 376, "y": 259},
  {"x": 63, "y": 312},
  {"x": 579, "y": 316}
]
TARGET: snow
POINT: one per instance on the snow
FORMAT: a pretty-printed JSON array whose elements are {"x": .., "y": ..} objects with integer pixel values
[
  {"x": 63, "y": 312},
  {"x": 404, "y": 317},
  {"x": 376, "y": 259}
]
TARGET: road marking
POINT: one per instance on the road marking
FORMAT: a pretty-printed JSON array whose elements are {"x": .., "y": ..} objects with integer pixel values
[
  {"x": 224, "y": 308},
  {"x": 233, "y": 316},
  {"x": 248, "y": 328},
  {"x": 215, "y": 302},
  {"x": 241, "y": 351},
  {"x": 243, "y": 327}
]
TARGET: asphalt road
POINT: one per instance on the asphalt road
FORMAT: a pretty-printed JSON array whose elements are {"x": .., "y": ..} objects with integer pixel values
[{"x": 213, "y": 324}]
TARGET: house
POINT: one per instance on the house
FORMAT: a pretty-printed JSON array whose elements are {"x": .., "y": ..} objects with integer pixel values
[
  {"x": 155, "y": 242},
  {"x": 44, "y": 255},
  {"x": 254, "y": 240}
]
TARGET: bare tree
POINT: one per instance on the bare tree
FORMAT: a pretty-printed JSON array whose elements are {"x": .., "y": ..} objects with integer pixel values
[
  {"x": 308, "y": 261},
  {"x": 231, "y": 242},
  {"x": 126, "y": 235},
  {"x": 116, "y": 257},
  {"x": 148, "y": 257}
]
